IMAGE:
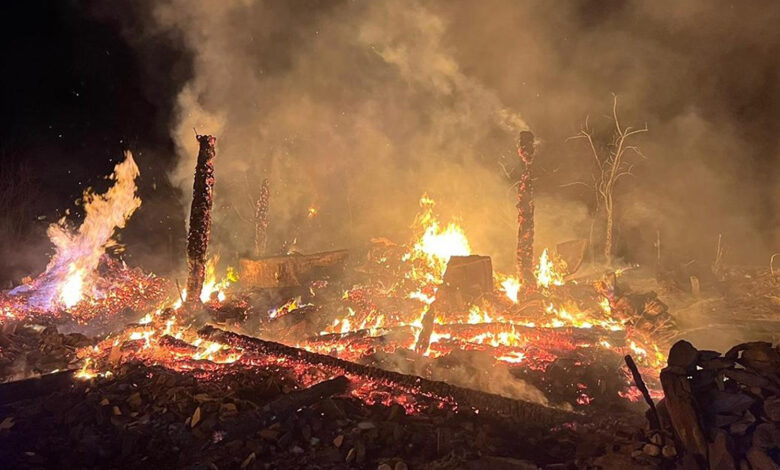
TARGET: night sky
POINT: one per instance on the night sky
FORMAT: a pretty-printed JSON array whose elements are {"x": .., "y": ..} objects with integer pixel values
[{"x": 73, "y": 100}]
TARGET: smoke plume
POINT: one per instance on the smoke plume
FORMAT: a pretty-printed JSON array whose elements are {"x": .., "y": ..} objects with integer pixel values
[{"x": 358, "y": 108}]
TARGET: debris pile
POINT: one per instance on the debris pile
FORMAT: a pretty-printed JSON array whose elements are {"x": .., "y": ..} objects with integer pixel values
[
  {"x": 253, "y": 417},
  {"x": 722, "y": 409}
]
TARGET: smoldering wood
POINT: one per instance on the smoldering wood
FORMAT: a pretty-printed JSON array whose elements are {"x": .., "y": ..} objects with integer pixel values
[
  {"x": 289, "y": 270},
  {"x": 261, "y": 218},
  {"x": 527, "y": 413},
  {"x": 653, "y": 418},
  {"x": 472, "y": 274},
  {"x": 525, "y": 209},
  {"x": 424, "y": 338},
  {"x": 572, "y": 252},
  {"x": 540, "y": 333},
  {"x": 200, "y": 216}
]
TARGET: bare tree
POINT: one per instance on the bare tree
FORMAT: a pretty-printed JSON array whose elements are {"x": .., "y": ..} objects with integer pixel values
[{"x": 613, "y": 162}]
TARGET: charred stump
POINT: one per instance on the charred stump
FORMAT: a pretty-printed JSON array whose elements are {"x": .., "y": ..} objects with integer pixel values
[
  {"x": 200, "y": 216},
  {"x": 261, "y": 219},
  {"x": 525, "y": 209}
]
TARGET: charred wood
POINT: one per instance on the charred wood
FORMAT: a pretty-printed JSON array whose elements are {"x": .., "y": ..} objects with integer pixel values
[
  {"x": 654, "y": 420},
  {"x": 525, "y": 209},
  {"x": 532, "y": 414},
  {"x": 200, "y": 216},
  {"x": 261, "y": 219}
]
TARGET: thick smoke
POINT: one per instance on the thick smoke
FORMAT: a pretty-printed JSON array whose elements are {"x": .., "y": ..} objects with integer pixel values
[{"x": 357, "y": 108}]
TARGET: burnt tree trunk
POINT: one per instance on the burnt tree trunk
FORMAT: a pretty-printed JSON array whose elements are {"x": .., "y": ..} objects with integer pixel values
[
  {"x": 200, "y": 216},
  {"x": 525, "y": 210},
  {"x": 261, "y": 219}
]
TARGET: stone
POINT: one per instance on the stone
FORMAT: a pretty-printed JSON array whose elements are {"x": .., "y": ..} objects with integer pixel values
[
  {"x": 683, "y": 355},
  {"x": 759, "y": 460},
  {"x": 772, "y": 408},
  {"x": 719, "y": 454},
  {"x": 501, "y": 463},
  {"x": 669, "y": 451},
  {"x": 651, "y": 449}
]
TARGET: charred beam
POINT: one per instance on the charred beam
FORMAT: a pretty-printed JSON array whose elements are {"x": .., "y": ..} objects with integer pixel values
[
  {"x": 283, "y": 406},
  {"x": 261, "y": 219},
  {"x": 525, "y": 209},
  {"x": 36, "y": 387},
  {"x": 200, "y": 216},
  {"x": 532, "y": 414}
]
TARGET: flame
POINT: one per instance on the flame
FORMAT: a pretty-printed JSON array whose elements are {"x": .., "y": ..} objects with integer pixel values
[
  {"x": 69, "y": 275},
  {"x": 511, "y": 288},
  {"x": 213, "y": 288},
  {"x": 435, "y": 245},
  {"x": 72, "y": 287},
  {"x": 546, "y": 273}
]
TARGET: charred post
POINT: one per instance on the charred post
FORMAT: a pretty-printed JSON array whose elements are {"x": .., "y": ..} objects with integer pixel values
[
  {"x": 261, "y": 219},
  {"x": 200, "y": 216},
  {"x": 525, "y": 209}
]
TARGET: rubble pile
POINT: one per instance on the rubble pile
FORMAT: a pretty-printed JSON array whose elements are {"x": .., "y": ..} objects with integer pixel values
[
  {"x": 152, "y": 417},
  {"x": 27, "y": 350}
]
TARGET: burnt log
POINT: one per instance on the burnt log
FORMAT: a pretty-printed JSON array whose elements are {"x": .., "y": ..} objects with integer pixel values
[
  {"x": 261, "y": 219},
  {"x": 457, "y": 398},
  {"x": 291, "y": 270},
  {"x": 525, "y": 209},
  {"x": 200, "y": 216}
]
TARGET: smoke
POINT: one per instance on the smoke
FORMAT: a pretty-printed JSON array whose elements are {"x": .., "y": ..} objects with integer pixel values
[{"x": 358, "y": 108}]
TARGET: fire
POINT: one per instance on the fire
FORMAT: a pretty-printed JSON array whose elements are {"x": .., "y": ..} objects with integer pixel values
[
  {"x": 70, "y": 274},
  {"x": 212, "y": 289},
  {"x": 546, "y": 273},
  {"x": 511, "y": 287},
  {"x": 72, "y": 288},
  {"x": 436, "y": 244}
]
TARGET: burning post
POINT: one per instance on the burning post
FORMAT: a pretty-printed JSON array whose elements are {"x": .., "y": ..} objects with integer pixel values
[
  {"x": 261, "y": 218},
  {"x": 200, "y": 216},
  {"x": 525, "y": 209}
]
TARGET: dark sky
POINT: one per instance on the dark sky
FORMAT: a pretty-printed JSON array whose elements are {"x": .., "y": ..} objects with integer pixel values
[{"x": 73, "y": 99}]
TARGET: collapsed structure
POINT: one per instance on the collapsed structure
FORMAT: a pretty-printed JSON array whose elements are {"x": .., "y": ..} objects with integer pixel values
[{"x": 403, "y": 334}]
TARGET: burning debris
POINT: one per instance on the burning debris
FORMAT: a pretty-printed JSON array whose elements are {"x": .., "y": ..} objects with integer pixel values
[{"x": 407, "y": 345}]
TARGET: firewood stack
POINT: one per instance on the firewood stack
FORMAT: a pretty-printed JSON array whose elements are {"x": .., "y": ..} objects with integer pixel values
[{"x": 724, "y": 410}]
